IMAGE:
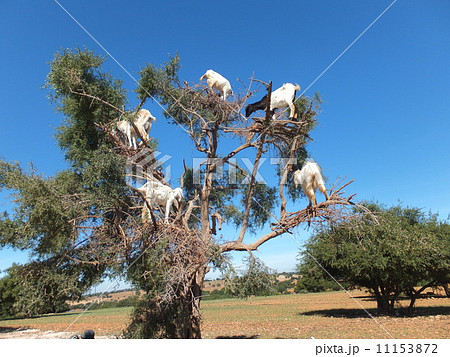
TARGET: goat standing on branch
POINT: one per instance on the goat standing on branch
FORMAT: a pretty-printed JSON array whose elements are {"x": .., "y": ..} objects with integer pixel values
[
  {"x": 310, "y": 178},
  {"x": 142, "y": 123},
  {"x": 283, "y": 97},
  {"x": 215, "y": 80},
  {"x": 162, "y": 195}
]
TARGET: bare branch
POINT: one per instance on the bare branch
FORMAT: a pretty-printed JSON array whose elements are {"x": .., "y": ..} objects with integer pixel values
[
  {"x": 259, "y": 81},
  {"x": 84, "y": 94},
  {"x": 330, "y": 211},
  {"x": 252, "y": 182}
]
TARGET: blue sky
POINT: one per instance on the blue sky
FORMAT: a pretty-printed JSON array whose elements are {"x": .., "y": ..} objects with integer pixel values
[{"x": 385, "y": 117}]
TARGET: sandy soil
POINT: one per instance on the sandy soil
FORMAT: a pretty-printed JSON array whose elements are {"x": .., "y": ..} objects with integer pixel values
[{"x": 38, "y": 334}]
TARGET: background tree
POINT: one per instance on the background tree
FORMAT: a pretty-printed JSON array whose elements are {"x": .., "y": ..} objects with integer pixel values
[
  {"x": 88, "y": 218},
  {"x": 313, "y": 279},
  {"x": 404, "y": 250},
  {"x": 44, "y": 287},
  {"x": 256, "y": 280},
  {"x": 9, "y": 290}
]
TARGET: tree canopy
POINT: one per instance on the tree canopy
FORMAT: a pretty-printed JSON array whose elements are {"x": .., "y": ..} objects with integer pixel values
[{"x": 402, "y": 250}]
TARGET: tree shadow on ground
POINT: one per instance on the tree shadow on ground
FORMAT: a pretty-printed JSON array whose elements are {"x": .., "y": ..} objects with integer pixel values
[
  {"x": 345, "y": 313},
  {"x": 240, "y": 337},
  {"x": 402, "y": 298},
  {"x": 359, "y": 313},
  {"x": 4, "y": 329}
]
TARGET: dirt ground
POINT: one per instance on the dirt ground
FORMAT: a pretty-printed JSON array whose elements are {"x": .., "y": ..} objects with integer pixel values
[
  {"x": 323, "y": 315},
  {"x": 7, "y": 333}
]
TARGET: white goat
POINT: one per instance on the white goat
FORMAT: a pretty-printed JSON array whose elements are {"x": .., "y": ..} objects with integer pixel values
[
  {"x": 143, "y": 122},
  {"x": 284, "y": 97},
  {"x": 162, "y": 195},
  {"x": 215, "y": 80},
  {"x": 310, "y": 178}
]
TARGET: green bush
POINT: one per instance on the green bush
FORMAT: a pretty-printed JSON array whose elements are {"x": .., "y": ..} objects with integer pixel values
[
  {"x": 217, "y": 294},
  {"x": 8, "y": 294}
]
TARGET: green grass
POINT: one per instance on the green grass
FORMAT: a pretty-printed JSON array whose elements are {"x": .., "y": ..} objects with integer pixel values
[{"x": 66, "y": 317}]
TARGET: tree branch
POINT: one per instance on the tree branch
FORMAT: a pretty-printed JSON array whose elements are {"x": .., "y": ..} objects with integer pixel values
[
  {"x": 84, "y": 94},
  {"x": 252, "y": 183},
  {"x": 326, "y": 211}
]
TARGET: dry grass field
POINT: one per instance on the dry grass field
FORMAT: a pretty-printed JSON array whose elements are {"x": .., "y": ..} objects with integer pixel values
[{"x": 322, "y": 315}]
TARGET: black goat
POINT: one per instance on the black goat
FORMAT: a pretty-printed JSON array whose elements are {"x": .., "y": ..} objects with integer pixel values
[{"x": 260, "y": 105}]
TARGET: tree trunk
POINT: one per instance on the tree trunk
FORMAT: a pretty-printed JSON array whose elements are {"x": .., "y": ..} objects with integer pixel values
[
  {"x": 411, "y": 308},
  {"x": 192, "y": 328},
  {"x": 415, "y": 294},
  {"x": 393, "y": 299},
  {"x": 383, "y": 303},
  {"x": 447, "y": 289}
]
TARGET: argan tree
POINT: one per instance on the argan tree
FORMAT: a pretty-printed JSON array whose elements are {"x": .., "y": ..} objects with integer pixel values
[
  {"x": 90, "y": 216},
  {"x": 401, "y": 254}
]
